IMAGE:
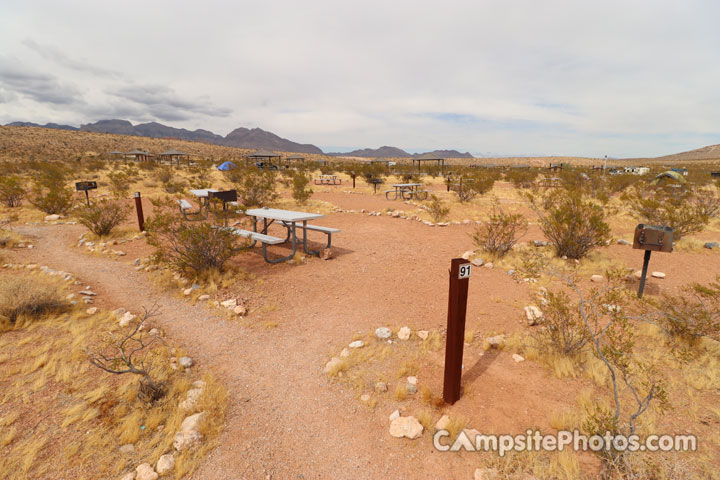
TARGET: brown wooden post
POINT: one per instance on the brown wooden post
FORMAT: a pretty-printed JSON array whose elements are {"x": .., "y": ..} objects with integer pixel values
[
  {"x": 138, "y": 207},
  {"x": 457, "y": 308}
]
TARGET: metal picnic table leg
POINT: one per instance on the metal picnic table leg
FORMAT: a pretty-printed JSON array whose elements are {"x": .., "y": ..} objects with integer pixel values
[
  {"x": 305, "y": 247},
  {"x": 282, "y": 259}
]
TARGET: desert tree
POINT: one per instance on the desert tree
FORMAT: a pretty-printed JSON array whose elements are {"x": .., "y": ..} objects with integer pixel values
[
  {"x": 131, "y": 353},
  {"x": 500, "y": 231}
]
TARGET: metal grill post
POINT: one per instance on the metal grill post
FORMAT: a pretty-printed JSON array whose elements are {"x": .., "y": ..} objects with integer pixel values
[{"x": 138, "y": 207}]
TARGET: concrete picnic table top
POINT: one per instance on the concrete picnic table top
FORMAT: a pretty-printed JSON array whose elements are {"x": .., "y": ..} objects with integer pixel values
[
  {"x": 407, "y": 185},
  {"x": 203, "y": 192},
  {"x": 282, "y": 215}
]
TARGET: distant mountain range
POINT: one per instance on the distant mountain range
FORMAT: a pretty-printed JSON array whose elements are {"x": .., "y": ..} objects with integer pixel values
[
  {"x": 240, "y": 137},
  {"x": 394, "y": 152}
]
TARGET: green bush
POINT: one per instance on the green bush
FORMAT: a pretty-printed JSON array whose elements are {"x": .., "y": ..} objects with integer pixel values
[
  {"x": 191, "y": 246},
  {"x": 119, "y": 183},
  {"x": 499, "y": 233},
  {"x": 693, "y": 314},
  {"x": 469, "y": 187},
  {"x": 11, "y": 191},
  {"x": 522, "y": 177},
  {"x": 572, "y": 223},
  {"x": 300, "y": 192},
  {"x": 255, "y": 188},
  {"x": 103, "y": 216},
  {"x": 437, "y": 209},
  {"x": 51, "y": 194}
]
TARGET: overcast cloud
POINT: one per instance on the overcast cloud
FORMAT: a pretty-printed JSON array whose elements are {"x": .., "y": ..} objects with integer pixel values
[{"x": 613, "y": 78}]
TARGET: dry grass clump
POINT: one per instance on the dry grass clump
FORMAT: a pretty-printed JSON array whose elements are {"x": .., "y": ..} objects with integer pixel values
[
  {"x": 9, "y": 239},
  {"x": 25, "y": 297}
]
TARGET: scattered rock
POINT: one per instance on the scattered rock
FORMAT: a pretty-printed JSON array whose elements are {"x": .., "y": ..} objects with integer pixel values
[
  {"x": 658, "y": 274},
  {"x": 240, "y": 310},
  {"x": 185, "y": 362},
  {"x": 442, "y": 423},
  {"x": 533, "y": 314},
  {"x": 410, "y": 389},
  {"x": 356, "y": 344},
  {"x": 404, "y": 333},
  {"x": 165, "y": 464},
  {"x": 70, "y": 296},
  {"x": 383, "y": 332},
  {"x": 345, "y": 353},
  {"x": 154, "y": 332},
  {"x": 488, "y": 265},
  {"x": 394, "y": 415},
  {"x": 623, "y": 242},
  {"x": 145, "y": 472},
  {"x": 423, "y": 334},
  {"x": 232, "y": 303},
  {"x": 518, "y": 358},
  {"x": 597, "y": 278},
  {"x": 126, "y": 319},
  {"x": 187, "y": 291},
  {"x": 540, "y": 243},
  {"x": 326, "y": 254},
  {"x": 127, "y": 449},
  {"x": 189, "y": 436},
  {"x": 467, "y": 255},
  {"x": 478, "y": 262},
  {"x": 381, "y": 387},
  {"x": 638, "y": 274},
  {"x": 408, "y": 427},
  {"x": 412, "y": 380},
  {"x": 711, "y": 245},
  {"x": 203, "y": 298},
  {"x": 51, "y": 218},
  {"x": 498, "y": 341},
  {"x": 91, "y": 311},
  {"x": 333, "y": 364},
  {"x": 365, "y": 397},
  {"x": 511, "y": 272}
]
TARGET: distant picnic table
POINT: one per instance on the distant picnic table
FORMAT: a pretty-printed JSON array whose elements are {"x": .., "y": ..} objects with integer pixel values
[
  {"x": 407, "y": 191},
  {"x": 328, "y": 180}
]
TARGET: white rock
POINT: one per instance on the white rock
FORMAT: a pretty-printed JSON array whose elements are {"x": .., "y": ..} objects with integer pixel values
[
  {"x": 423, "y": 334},
  {"x": 187, "y": 291},
  {"x": 442, "y": 423},
  {"x": 165, "y": 464},
  {"x": 356, "y": 344},
  {"x": 333, "y": 364},
  {"x": 70, "y": 296},
  {"x": 127, "y": 449},
  {"x": 126, "y": 319},
  {"x": 478, "y": 262},
  {"x": 91, "y": 310},
  {"x": 394, "y": 415},
  {"x": 597, "y": 278},
  {"x": 87, "y": 292},
  {"x": 189, "y": 436},
  {"x": 467, "y": 255},
  {"x": 345, "y": 353},
  {"x": 240, "y": 310},
  {"x": 412, "y": 380},
  {"x": 185, "y": 362},
  {"x": 638, "y": 274},
  {"x": 498, "y": 341},
  {"x": 658, "y": 274},
  {"x": 154, "y": 332},
  {"x": 191, "y": 400},
  {"x": 533, "y": 314},
  {"x": 145, "y": 472},
  {"x": 381, "y": 387},
  {"x": 383, "y": 332},
  {"x": 50, "y": 218},
  {"x": 232, "y": 303},
  {"x": 404, "y": 333},
  {"x": 365, "y": 397},
  {"x": 202, "y": 298},
  {"x": 408, "y": 427},
  {"x": 489, "y": 265},
  {"x": 518, "y": 358}
]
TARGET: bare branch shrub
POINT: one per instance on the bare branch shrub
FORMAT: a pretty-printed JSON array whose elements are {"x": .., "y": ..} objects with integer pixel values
[
  {"x": 499, "y": 233},
  {"x": 693, "y": 314},
  {"x": 103, "y": 216},
  {"x": 437, "y": 209},
  {"x": 131, "y": 352},
  {"x": 11, "y": 191}
]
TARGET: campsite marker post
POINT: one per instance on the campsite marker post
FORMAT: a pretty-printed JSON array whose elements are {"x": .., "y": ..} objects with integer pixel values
[
  {"x": 138, "y": 207},
  {"x": 457, "y": 308}
]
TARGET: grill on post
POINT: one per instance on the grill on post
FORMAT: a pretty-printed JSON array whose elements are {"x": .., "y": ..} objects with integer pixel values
[
  {"x": 86, "y": 186},
  {"x": 651, "y": 238}
]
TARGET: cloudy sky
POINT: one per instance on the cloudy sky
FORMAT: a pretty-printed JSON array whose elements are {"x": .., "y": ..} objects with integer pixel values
[{"x": 592, "y": 78}]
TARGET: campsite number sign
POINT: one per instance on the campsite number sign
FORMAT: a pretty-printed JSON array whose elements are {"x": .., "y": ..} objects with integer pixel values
[{"x": 464, "y": 271}]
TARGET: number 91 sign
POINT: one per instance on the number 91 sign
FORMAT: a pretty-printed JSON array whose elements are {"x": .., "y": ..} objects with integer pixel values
[{"x": 464, "y": 271}]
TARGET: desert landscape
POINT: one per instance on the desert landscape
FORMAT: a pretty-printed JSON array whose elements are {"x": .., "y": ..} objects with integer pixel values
[{"x": 178, "y": 351}]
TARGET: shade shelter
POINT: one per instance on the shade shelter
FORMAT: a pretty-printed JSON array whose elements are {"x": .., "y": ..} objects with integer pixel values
[
  {"x": 138, "y": 155},
  {"x": 174, "y": 155},
  {"x": 115, "y": 155},
  {"x": 262, "y": 157},
  {"x": 427, "y": 157}
]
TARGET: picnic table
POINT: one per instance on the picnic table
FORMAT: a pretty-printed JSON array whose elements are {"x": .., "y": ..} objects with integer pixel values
[
  {"x": 205, "y": 197},
  {"x": 407, "y": 191},
  {"x": 289, "y": 219},
  {"x": 328, "y": 180}
]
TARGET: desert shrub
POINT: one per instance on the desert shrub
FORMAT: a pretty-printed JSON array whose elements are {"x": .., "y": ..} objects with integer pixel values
[
  {"x": 562, "y": 327},
  {"x": 620, "y": 183},
  {"x": 327, "y": 169},
  {"x": 190, "y": 246},
  {"x": 8, "y": 238},
  {"x": 693, "y": 314},
  {"x": 469, "y": 187},
  {"x": 29, "y": 297},
  {"x": 51, "y": 194},
  {"x": 522, "y": 177},
  {"x": 11, "y": 191},
  {"x": 300, "y": 192},
  {"x": 572, "y": 223},
  {"x": 437, "y": 209},
  {"x": 169, "y": 180},
  {"x": 255, "y": 188},
  {"x": 498, "y": 234},
  {"x": 687, "y": 211},
  {"x": 93, "y": 165},
  {"x": 119, "y": 183},
  {"x": 103, "y": 216}
]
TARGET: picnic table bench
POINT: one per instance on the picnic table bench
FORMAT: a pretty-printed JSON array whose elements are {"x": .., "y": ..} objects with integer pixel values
[
  {"x": 407, "y": 191},
  {"x": 328, "y": 180}
]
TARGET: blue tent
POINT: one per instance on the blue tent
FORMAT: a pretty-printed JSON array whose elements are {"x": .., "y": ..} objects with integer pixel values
[{"x": 226, "y": 166}]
